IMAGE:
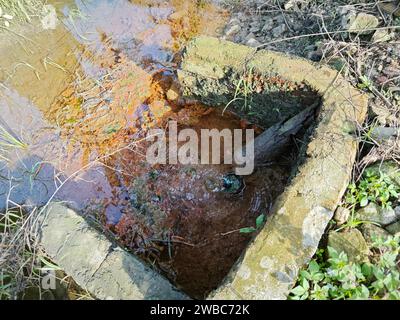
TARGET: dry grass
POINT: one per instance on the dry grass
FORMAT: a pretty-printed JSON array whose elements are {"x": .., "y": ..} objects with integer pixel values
[{"x": 22, "y": 10}]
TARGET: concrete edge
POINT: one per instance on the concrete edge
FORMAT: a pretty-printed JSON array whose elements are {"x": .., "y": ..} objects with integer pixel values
[{"x": 95, "y": 263}]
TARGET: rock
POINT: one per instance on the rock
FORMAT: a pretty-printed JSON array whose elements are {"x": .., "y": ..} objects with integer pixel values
[
  {"x": 250, "y": 36},
  {"x": 341, "y": 215},
  {"x": 375, "y": 213},
  {"x": 381, "y": 35},
  {"x": 49, "y": 18},
  {"x": 233, "y": 30},
  {"x": 173, "y": 93},
  {"x": 382, "y": 113},
  {"x": 350, "y": 242},
  {"x": 348, "y": 14},
  {"x": 279, "y": 30},
  {"x": 371, "y": 231},
  {"x": 362, "y": 23},
  {"x": 393, "y": 228},
  {"x": 253, "y": 43},
  {"x": 390, "y": 7},
  {"x": 268, "y": 25},
  {"x": 234, "y": 21},
  {"x": 297, "y": 4},
  {"x": 381, "y": 134},
  {"x": 255, "y": 26}
]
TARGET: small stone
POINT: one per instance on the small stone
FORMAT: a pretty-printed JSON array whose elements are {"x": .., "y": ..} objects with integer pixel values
[
  {"x": 279, "y": 30},
  {"x": 233, "y": 30},
  {"x": 393, "y": 228},
  {"x": 390, "y": 7},
  {"x": 289, "y": 5},
  {"x": 381, "y": 134},
  {"x": 298, "y": 4},
  {"x": 268, "y": 25},
  {"x": 190, "y": 196},
  {"x": 382, "y": 113},
  {"x": 348, "y": 14},
  {"x": 253, "y": 43},
  {"x": 381, "y": 35},
  {"x": 234, "y": 21},
  {"x": 371, "y": 232},
  {"x": 374, "y": 213},
  {"x": 250, "y": 36},
  {"x": 173, "y": 93},
  {"x": 341, "y": 215},
  {"x": 362, "y": 23},
  {"x": 350, "y": 242},
  {"x": 49, "y": 18}
]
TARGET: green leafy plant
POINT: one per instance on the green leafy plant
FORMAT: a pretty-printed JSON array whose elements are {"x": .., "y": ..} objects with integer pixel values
[
  {"x": 337, "y": 278},
  {"x": 365, "y": 83},
  {"x": 244, "y": 88},
  {"x": 259, "y": 223},
  {"x": 372, "y": 188}
]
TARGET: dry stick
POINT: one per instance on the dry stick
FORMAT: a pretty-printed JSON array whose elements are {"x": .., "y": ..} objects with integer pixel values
[{"x": 322, "y": 34}]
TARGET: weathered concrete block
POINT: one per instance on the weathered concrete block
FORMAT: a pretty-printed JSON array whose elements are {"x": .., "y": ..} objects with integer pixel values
[
  {"x": 95, "y": 263},
  {"x": 122, "y": 276},
  {"x": 270, "y": 265}
]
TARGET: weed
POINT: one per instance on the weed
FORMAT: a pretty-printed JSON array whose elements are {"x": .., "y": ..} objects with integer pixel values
[
  {"x": 9, "y": 140},
  {"x": 259, "y": 223},
  {"x": 337, "y": 278},
  {"x": 244, "y": 88},
  {"x": 372, "y": 188},
  {"x": 365, "y": 83}
]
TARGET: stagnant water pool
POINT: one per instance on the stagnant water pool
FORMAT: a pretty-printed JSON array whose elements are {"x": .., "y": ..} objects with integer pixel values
[{"x": 77, "y": 100}]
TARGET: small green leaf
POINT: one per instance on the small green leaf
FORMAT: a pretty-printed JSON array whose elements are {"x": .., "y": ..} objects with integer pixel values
[
  {"x": 364, "y": 202},
  {"x": 313, "y": 267},
  {"x": 247, "y": 230},
  {"x": 260, "y": 220},
  {"x": 298, "y": 291}
]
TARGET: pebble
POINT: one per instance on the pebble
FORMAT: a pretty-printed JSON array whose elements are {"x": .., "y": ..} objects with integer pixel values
[
  {"x": 279, "y": 30},
  {"x": 233, "y": 30},
  {"x": 253, "y": 43},
  {"x": 341, "y": 215}
]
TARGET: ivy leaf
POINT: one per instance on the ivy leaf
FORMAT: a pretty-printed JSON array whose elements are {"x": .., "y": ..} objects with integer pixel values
[
  {"x": 260, "y": 220},
  {"x": 298, "y": 291},
  {"x": 247, "y": 230},
  {"x": 313, "y": 267},
  {"x": 364, "y": 202}
]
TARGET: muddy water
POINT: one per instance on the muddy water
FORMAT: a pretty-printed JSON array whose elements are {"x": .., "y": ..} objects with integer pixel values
[{"x": 77, "y": 101}]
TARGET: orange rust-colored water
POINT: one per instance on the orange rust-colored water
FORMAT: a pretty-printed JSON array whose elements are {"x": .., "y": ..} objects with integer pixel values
[{"x": 91, "y": 88}]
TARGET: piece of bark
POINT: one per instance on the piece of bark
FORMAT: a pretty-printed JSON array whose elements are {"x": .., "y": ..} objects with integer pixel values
[{"x": 268, "y": 144}]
